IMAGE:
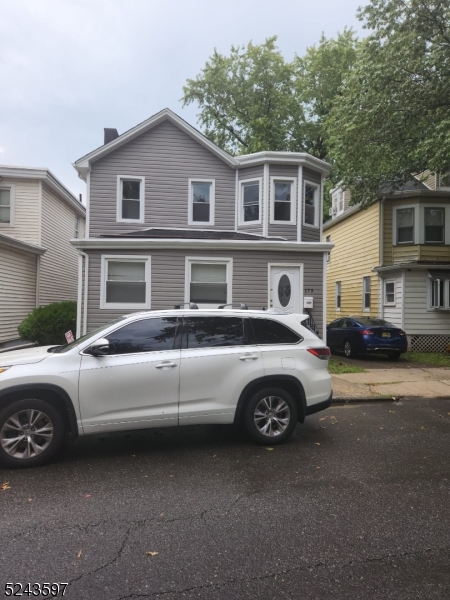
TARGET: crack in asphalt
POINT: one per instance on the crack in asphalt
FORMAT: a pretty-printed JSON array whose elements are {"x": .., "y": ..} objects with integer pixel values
[
  {"x": 138, "y": 523},
  {"x": 231, "y": 581},
  {"x": 84, "y": 528}
]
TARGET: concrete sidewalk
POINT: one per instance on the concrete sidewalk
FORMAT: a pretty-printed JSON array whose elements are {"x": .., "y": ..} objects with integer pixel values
[{"x": 377, "y": 383}]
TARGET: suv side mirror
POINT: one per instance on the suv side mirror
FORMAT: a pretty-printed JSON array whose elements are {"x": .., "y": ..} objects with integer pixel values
[{"x": 99, "y": 348}]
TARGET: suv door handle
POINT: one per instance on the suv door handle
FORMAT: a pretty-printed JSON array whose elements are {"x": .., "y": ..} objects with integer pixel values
[
  {"x": 248, "y": 357},
  {"x": 166, "y": 365}
]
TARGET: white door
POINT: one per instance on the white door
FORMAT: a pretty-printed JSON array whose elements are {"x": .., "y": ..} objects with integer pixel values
[
  {"x": 137, "y": 384},
  {"x": 285, "y": 288}
]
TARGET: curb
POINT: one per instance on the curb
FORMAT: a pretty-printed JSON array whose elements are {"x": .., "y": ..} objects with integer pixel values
[{"x": 367, "y": 399}]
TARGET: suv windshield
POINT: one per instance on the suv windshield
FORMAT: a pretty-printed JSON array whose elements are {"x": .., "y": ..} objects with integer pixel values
[
  {"x": 74, "y": 344},
  {"x": 373, "y": 322}
]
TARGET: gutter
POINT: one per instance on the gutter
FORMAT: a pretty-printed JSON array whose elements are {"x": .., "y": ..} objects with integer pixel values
[{"x": 171, "y": 244}]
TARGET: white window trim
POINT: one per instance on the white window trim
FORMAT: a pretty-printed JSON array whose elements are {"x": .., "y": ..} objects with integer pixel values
[
  {"x": 241, "y": 221},
  {"x": 293, "y": 182},
  {"x": 12, "y": 199},
  {"x": 385, "y": 302},
  {"x": 364, "y": 279},
  {"x": 416, "y": 227},
  {"x": 445, "y": 283},
  {"x": 125, "y": 258},
  {"x": 190, "y": 260},
  {"x": 317, "y": 204},
  {"x": 119, "y": 218},
  {"x": 212, "y": 202},
  {"x": 336, "y": 307}
]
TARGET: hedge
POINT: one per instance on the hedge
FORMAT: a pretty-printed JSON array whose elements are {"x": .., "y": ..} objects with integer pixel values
[{"x": 47, "y": 325}]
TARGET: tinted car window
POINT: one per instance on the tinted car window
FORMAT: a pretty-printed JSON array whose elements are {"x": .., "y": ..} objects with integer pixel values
[
  {"x": 337, "y": 323},
  {"x": 210, "y": 332},
  {"x": 144, "y": 336},
  {"x": 271, "y": 332},
  {"x": 347, "y": 323},
  {"x": 374, "y": 322}
]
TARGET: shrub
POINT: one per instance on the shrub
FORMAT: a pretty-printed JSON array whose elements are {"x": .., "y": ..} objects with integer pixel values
[{"x": 47, "y": 325}]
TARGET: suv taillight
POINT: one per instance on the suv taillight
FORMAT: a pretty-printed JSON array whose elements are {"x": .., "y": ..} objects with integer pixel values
[{"x": 322, "y": 353}]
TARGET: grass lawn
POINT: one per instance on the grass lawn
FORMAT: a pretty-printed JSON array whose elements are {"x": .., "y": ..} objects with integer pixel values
[
  {"x": 336, "y": 367},
  {"x": 433, "y": 359}
]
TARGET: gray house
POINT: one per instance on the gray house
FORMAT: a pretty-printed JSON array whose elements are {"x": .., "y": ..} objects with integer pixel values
[{"x": 172, "y": 218}]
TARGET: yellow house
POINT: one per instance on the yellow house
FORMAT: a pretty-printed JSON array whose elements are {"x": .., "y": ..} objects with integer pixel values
[{"x": 392, "y": 260}]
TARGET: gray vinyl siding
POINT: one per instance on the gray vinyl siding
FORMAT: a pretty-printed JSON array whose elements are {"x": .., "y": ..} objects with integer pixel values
[
  {"x": 287, "y": 231},
  {"x": 252, "y": 173},
  {"x": 250, "y": 278},
  {"x": 59, "y": 265},
  {"x": 311, "y": 234},
  {"x": 167, "y": 157},
  {"x": 419, "y": 319},
  {"x": 17, "y": 290}
]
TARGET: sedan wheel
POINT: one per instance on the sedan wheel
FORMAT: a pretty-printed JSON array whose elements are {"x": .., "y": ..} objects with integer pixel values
[
  {"x": 271, "y": 416},
  {"x": 31, "y": 431},
  {"x": 348, "y": 350}
]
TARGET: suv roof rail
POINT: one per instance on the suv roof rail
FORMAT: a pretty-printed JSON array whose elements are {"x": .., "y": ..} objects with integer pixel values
[
  {"x": 190, "y": 305},
  {"x": 241, "y": 305}
]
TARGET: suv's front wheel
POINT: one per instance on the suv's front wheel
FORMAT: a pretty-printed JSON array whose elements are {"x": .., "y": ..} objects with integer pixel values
[
  {"x": 271, "y": 416},
  {"x": 31, "y": 431}
]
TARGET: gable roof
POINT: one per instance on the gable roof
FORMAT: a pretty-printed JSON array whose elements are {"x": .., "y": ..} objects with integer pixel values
[
  {"x": 82, "y": 165},
  {"x": 47, "y": 177}
]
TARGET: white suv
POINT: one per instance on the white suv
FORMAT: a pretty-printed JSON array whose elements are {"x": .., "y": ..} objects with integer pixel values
[{"x": 164, "y": 368}]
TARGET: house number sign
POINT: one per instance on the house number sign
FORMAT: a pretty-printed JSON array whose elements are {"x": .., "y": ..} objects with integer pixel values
[{"x": 308, "y": 290}]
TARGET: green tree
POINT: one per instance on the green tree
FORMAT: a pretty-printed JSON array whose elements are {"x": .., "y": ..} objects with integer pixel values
[
  {"x": 393, "y": 117},
  {"x": 254, "y": 100}
]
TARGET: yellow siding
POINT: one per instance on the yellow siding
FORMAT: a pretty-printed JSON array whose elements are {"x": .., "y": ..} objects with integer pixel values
[
  {"x": 387, "y": 241},
  {"x": 355, "y": 254},
  {"x": 434, "y": 253},
  {"x": 402, "y": 254}
]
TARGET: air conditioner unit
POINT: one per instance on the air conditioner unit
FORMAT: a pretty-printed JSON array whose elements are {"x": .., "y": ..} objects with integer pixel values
[{"x": 333, "y": 211}]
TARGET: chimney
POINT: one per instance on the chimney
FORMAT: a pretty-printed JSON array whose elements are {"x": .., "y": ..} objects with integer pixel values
[{"x": 110, "y": 135}]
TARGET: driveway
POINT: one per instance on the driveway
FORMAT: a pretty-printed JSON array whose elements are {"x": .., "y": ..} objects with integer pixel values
[{"x": 355, "y": 505}]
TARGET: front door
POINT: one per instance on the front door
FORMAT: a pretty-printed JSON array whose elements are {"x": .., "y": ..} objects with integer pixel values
[
  {"x": 285, "y": 288},
  {"x": 137, "y": 384}
]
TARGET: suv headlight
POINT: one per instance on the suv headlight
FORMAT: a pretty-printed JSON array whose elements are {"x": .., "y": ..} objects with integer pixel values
[{"x": 4, "y": 369}]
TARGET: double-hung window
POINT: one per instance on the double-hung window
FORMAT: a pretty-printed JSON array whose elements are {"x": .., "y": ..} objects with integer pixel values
[
  {"x": 201, "y": 201},
  {"x": 125, "y": 282},
  {"x": 250, "y": 201},
  {"x": 434, "y": 225},
  {"x": 283, "y": 200},
  {"x": 366, "y": 293},
  {"x": 208, "y": 282},
  {"x": 389, "y": 292},
  {"x": 7, "y": 205},
  {"x": 405, "y": 226},
  {"x": 130, "y": 199},
  {"x": 311, "y": 201},
  {"x": 437, "y": 293}
]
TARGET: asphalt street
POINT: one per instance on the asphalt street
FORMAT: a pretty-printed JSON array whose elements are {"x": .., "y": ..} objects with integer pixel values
[{"x": 355, "y": 505}]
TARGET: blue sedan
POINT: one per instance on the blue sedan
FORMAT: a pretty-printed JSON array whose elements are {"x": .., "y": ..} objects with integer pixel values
[{"x": 358, "y": 335}]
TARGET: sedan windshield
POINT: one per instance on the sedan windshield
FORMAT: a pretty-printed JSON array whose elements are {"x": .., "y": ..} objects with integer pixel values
[
  {"x": 373, "y": 322},
  {"x": 74, "y": 344}
]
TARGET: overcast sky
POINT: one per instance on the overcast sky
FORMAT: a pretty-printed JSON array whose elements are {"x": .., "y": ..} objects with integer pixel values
[{"x": 69, "y": 68}]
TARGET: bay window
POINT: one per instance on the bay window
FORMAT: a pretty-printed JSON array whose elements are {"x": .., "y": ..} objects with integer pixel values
[
  {"x": 311, "y": 201},
  {"x": 250, "y": 202},
  {"x": 434, "y": 225}
]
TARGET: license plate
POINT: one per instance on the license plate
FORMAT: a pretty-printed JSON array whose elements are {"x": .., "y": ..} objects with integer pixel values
[{"x": 386, "y": 334}]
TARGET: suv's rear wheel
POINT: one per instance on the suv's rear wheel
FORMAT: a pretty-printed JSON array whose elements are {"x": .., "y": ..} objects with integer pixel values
[
  {"x": 271, "y": 416},
  {"x": 31, "y": 431}
]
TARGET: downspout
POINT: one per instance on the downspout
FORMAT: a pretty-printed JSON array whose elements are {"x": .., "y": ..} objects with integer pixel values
[
  {"x": 80, "y": 285},
  {"x": 381, "y": 259}
]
